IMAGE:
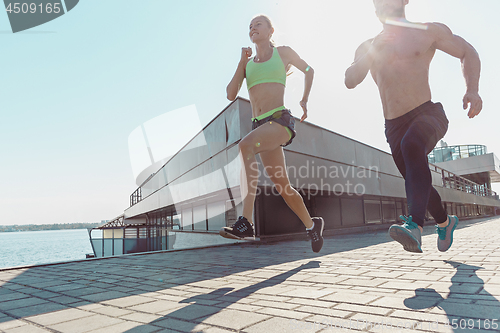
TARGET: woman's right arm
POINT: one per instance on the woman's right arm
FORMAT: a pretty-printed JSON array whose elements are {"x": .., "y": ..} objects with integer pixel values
[{"x": 234, "y": 86}]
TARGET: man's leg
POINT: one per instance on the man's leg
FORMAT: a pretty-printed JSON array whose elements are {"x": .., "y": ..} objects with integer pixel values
[
  {"x": 415, "y": 145},
  {"x": 409, "y": 234},
  {"x": 418, "y": 181}
]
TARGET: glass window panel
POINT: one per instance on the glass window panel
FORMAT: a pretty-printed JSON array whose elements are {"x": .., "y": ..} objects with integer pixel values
[
  {"x": 176, "y": 222},
  {"x": 216, "y": 213},
  {"x": 130, "y": 245},
  {"x": 372, "y": 211},
  {"x": 108, "y": 247},
  {"x": 389, "y": 211},
  {"x": 200, "y": 217},
  {"x": 328, "y": 207},
  {"x": 399, "y": 209},
  {"x": 352, "y": 211},
  {"x": 187, "y": 219},
  {"x": 97, "y": 243},
  {"x": 118, "y": 233},
  {"x": 118, "y": 247}
]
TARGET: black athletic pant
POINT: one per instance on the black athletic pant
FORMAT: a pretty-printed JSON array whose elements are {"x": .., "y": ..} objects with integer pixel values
[{"x": 411, "y": 137}]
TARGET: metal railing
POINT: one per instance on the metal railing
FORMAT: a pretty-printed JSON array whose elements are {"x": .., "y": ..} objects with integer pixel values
[
  {"x": 455, "y": 182},
  {"x": 136, "y": 196}
]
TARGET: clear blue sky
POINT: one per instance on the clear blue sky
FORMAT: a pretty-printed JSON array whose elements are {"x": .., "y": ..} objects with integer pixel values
[{"x": 72, "y": 90}]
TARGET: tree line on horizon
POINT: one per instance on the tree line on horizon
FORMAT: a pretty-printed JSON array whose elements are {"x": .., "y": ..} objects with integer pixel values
[{"x": 55, "y": 226}]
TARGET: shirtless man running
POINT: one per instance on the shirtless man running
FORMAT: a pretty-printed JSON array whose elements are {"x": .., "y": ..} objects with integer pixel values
[{"x": 399, "y": 59}]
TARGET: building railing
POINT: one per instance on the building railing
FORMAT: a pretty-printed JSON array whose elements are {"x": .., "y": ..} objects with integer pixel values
[
  {"x": 455, "y": 182},
  {"x": 136, "y": 196},
  {"x": 451, "y": 153}
]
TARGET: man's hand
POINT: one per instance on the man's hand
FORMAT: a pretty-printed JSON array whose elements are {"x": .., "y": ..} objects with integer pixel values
[
  {"x": 303, "y": 104},
  {"x": 476, "y": 104}
]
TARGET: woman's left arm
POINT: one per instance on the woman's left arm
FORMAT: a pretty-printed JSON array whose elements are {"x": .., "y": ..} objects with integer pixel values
[{"x": 292, "y": 58}]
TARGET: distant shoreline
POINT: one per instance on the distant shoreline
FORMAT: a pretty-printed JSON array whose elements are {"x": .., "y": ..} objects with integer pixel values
[{"x": 41, "y": 227}]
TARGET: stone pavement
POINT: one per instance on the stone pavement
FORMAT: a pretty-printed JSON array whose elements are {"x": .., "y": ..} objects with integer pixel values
[{"x": 360, "y": 282}]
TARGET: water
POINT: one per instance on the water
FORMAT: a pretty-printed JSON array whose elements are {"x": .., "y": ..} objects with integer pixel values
[{"x": 43, "y": 247}]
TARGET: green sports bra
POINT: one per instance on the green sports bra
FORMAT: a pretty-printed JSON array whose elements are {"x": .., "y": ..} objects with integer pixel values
[{"x": 272, "y": 70}]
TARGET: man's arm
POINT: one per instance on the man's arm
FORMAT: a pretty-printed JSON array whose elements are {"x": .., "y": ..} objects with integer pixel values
[
  {"x": 471, "y": 65},
  {"x": 357, "y": 72}
]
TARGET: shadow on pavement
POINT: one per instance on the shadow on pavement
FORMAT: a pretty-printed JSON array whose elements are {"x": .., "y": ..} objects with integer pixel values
[
  {"x": 194, "y": 311},
  {"x": 468, "y": 305},
  {"x": 38, "y": 290}
]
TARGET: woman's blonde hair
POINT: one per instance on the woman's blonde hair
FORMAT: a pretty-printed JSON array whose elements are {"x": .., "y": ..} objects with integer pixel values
[{"x": 269, "y": 23}]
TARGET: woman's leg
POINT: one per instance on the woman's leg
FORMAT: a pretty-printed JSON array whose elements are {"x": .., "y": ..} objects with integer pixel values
[
  {"x": 274, "y": 164},
  {"x": 264, "y": 138}
]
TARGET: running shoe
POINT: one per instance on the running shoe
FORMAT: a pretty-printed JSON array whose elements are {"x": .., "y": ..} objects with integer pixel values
[
  {"x": 408, "y": 234},
  {"x": 242, "y": 229},
  {"x": 445, "y": 234},
  {"x": 316, "y": 234}
]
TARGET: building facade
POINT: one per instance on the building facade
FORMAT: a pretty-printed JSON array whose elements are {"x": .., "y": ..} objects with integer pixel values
[{"x": 348, "y": 183}]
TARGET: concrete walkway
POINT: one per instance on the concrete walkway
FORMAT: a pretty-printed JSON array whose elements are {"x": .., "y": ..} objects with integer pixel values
[{"x": 362, "y": 282}]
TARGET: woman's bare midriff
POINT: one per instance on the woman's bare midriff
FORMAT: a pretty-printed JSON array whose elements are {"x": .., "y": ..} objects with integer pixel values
[{"x": 265, "y": 97}]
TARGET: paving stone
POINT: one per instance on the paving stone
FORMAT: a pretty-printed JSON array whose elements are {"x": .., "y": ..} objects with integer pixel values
[
  {"x": 21, "y": 303},
  {"x": 306, "y": 292},
  {"x": 193, "y": 311},
  {"x": 208, "y": 329},
  {"x": 362, "y": 309},
  {"x": 423, "y": 317},
  {"x": 85, "y": 324},
  {"x": 179, "y": 325},
  {"x": 346, "y": 297},
  {"x": 144, "y": 318},
  {"x": 332, "y": 324},
  {"x": 292, "y": 314},
  {"x": 159, "y": 306},
  {"x": 283, "y": 325},
  {"x": 104, "y": 296},
  {"x": 36, "y": 309},
  {"x": 129, "y": 327},
  {"x": 57, "y": 317},
  {"x": 331, "y": 312},
  {"x": 27, "y": 329},
  {"x": 65, "y": 299},
  {"x": 234, "y": 319},
  {"x": 5, "y": 325},
  {"x": 12, "y": 295},
  {"x": 279, "y": 305},
  {"x": 111, "y": 311},
  {"x": 129, "y": 301},
  {"x": 238, "y": 306}
]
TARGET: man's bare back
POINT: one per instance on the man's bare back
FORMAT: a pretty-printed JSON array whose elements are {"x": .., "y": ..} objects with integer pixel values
[{"x": 399, "y": 59}]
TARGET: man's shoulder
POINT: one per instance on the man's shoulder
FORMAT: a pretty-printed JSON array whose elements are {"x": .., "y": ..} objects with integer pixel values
[
  {"x": 366, "y": 44},
  {"x": 438, "y": 28}
]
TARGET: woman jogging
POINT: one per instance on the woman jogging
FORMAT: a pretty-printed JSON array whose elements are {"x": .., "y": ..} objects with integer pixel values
[{"x": 273, "y": 127}]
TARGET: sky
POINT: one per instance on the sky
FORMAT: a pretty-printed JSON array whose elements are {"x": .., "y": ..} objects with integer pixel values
[{"x": 74, "y": 89}]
